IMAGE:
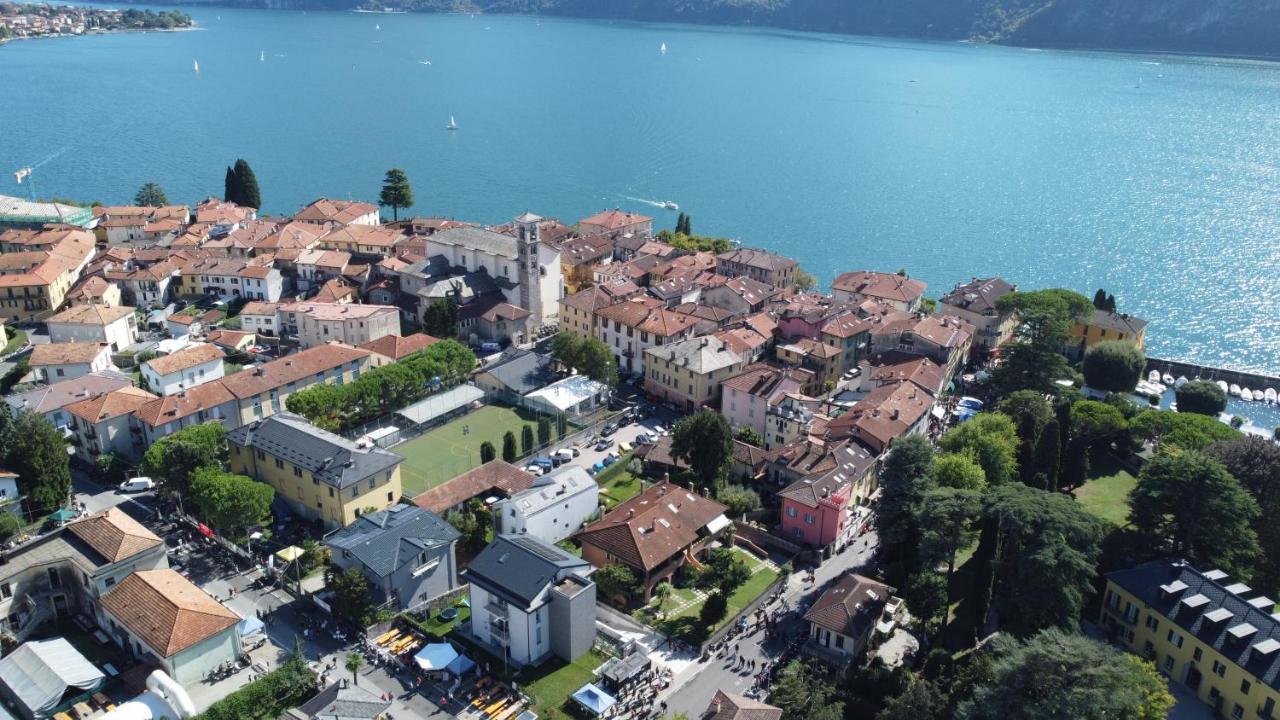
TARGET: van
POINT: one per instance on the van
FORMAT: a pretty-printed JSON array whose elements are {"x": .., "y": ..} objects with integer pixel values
[
  {"x": 565, "y": 455},
  {"x": 490, "y": 347},
  {"x": 138, "y": 484}
]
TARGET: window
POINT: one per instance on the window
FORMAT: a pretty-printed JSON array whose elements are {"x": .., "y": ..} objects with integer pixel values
[
  {"x": 330, "y": 492},
  {"x": 1219, "y": 669},
  {"x": 809, "y": 518},
  {"x": 797, "y": 532},
  {"x": 390, "y": 497},
  {"x": 355, "y": 491},
  {"x": 791, "y": 511},
  {"x": 1168, "y": 662},
  {"x": 1237, "y": 711},
  {"x": 110, "y": 582},
  {"x": 1175, "y": 639},
  {"x": 279, "y": 464},
  {"x": 1245, "y": 687},
  {"x": 55, "y": 580},
  {"x": 261, "y": 455},
  {"x": 1152, "y": 623},
  {"x": 6, "y": 591},
  {"x": 1130, "y": 613},
  {"x": 372, "y": 481},
  {"x": 297, "y": 471},
  {"x": 1197, "y": 654}
]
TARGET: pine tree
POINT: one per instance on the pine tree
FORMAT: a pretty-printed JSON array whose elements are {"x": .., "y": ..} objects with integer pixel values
[
  {"x": 396, "y": 192},
  {"x": 247, "y": 192},
  {"x": 152, "y": 195},
  {"x": 1100, "y": 299},
  {"x": 1048, "y": 458}
]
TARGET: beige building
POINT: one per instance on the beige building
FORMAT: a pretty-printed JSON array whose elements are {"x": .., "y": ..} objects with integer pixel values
[
  {"x": 318, "y": 323},
  {"x": 115, "y": 326},
  {"x": 65, "y": 361},
  {"x": 103, "y": 424},
  {"x": 689, "y": 373},
  {"x": 975, "y": 303},
  {"x": 321, "y": 475},
  {"x": 261, "y": 392},
  {"x": 338, "y": 213},
  {"x": 37, "y": 270}
]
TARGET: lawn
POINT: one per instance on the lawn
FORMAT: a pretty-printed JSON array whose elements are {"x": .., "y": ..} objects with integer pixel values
[
  {"x": 685, "y": 622},
  {"x": 16, "y": 340},
  {"x": 1106, "y": 493},
  {"x": 550, "y": 684},
  {"x": 454, "y": 448},
  {"x": 433, "y": 625},
  {"x": 617, "y": 484}
]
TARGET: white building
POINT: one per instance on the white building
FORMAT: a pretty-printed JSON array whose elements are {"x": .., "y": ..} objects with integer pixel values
[
  {"x": 553, "y": 508},
  {"x": 103, "y": 424},
  {"x": 261, "y": 318},
  {"x": 525, "y": 269},
  {"x": 115, "y": 326},
  {"x": 573, "y": 395},
  {"x": 69, "y": 360},
  {"x": 184, "y": 370},
  {"x": 262, "y": 283},
  {"x": 315, "y": 324}
]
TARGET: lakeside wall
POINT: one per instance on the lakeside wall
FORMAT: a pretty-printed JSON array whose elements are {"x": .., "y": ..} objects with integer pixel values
[{"x": 1193, "y": 371}]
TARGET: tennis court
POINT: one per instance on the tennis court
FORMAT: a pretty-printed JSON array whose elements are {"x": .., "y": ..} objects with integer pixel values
[{"x": 454, "y": 448}]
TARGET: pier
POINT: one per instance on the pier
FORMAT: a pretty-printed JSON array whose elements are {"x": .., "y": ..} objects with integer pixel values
[{"x": 1192, "y": 371}]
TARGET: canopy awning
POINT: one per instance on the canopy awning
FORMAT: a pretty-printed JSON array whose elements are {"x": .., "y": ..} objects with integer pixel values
[
  {"x": 291, "y": 553},
  {"x": 63, "y": 515},
  {"x": 436, "y": 656},
  {"x": 461, "y": 665},
  {"x": 39, "y": 674},
  {"x": 249, "y": 626},
  {"x": 594, "y": 699}
]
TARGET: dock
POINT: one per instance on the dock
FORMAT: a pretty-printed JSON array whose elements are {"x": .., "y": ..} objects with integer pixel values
[{"x": 1192, "y": 371}]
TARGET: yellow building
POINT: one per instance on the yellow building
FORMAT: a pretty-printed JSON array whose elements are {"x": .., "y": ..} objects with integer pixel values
[
  {"x": 1107, "y": 326},
  {"x": 322, "y": 476},
  {"x": 689, "y": 373},
  {"x": 1219, "y": 639},
  {"x": 35, "y": 282}
]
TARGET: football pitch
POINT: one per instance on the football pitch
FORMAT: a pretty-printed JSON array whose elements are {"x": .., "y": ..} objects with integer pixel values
[{"x": 454, "y": 448}]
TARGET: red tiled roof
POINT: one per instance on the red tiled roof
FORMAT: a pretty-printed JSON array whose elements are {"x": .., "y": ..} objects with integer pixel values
[
  {"x": 166, "y": 610},
  {"x": 495, "y": 475},
  {"x": 396, "y": 347},
  {"x": 648, "y": 529}
]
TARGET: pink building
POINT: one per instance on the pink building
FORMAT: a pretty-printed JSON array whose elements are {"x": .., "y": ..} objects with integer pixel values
[{"x": 824, "y": 511}]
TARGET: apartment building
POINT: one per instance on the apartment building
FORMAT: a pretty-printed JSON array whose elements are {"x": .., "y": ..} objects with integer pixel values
[
  {"x": 261, "y": 391},
  {"x": 315, "y": 324}
]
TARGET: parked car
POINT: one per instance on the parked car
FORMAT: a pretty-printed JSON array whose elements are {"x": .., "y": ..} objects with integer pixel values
[
  {"x": 563, "y": 455},
  {"x": 535, "y": 470},
  {"x": 971, "y": 403},
  {"x": 659, "y": 431},
  {"x": 645, "y": 438},
  {"x": 624, "y": 447},
  {"x": 604, "y": 444},
  {"x": 608, "y": 460},
  {"x": 138, "y": 484},
  {"x": 608, "y": 430}
]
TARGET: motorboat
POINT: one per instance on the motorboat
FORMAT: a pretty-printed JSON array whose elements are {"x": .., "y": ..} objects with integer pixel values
[
  {"x": 1223, "y": 384},
  {"x": 1269, "y": 395},
  {"x": 1234, "y": 390},
  {"x": 195, "y": 64},
  {"x": 1167, "y": 379},
  {"x": 670, "y": 205},
  {"x": 1246, "y": 394},
  {"x": 1182, "y": 380}
]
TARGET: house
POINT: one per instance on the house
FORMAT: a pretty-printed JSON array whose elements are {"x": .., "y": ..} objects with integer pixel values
[
  {"x": 750, "y": 463},
  {"x": 688, "y": 373},
  {"x": 526, "y": 270},
  {"x": 489, "y": 319},
  {"x": 572, "y": 396},
  {"x": 95, "y": 290},
  {"x": 232, "y": 340},
  {"x": 161, "y": 617},
  {"x": 323, "y": 477},
  {"x": 224, "y": 212},
  {"x": 364, "y": 241},
  {"x": 102, "y": 425},
  {"x": 578, "y": 311},
  {"x": 655, "y": 533},
  {"x": 493, "y": 479},
  {"x": 851, "y": 336},
  {"x": 69, "y": 360},
  {"x": 261, "y": 282},
  {"x": 897, "y": 291},
  {"x": 553, "y": 508},
  {"x": 578, "y": 257},
  {"x": 315, "y": 324},
  {"x": 892, "y": 368},
  {"x": 336, "y": 292},
  {"x": 115, "y": 326},
  {"x": 749, "y": 397},
  {"x": 822, "y": 360},
  {"x": 761, "y": 265},
  {"x": 338, "y": 213},
  {"x": 164, "y": 416},
  {"x": 341, "y": 700},
  {"x": 50, "y": 400},
  {"x": 1217, "y": 639},
  {"x": 405, "y": 552},
  {"x": 1107, "y": 326},
  {"x": 34, "y": 283},
  {"x": 183, "y": 370},
  {"x": 885, "y": 414},
  {"x": 728, "y": 706},
  {"x": 740, "y": 296},
  {"x": 64, "y": 572},
  {"x": 393, "y": 348},
  {"x": 515, "y": 374},
  {"x": 638, "y": 323},
  {"x": 47, "y": 678},
  {"x": 146, "y": 287},
  {"x": 531, "y": 600},
  {"x": 843, "y": 618},
  {"x": 261, "y": 391},
  {"x": 617, "y": 223},
  {"x": 137, "y": 224},
  {"x": 261, "y": 318},
  {"x": 183, "y": 324},
  {"x": 975, "y": 303},
  {"x": 820, "y": 510},
  {"x": 316, "y": 267}
]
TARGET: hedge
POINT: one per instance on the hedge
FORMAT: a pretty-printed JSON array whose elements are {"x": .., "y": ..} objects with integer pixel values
[{"x": 269, "y": 696}]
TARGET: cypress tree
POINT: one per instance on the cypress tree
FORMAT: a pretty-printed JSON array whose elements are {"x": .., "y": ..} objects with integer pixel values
[
  {"x": 248, "y": 194},
  {"x": 1100, "y": 299},
  {"x": 1027, "y": 444},
  {"x": 1049, "y": 455},
  {"x": 396, "y": 192},
  {"x": 509, "y": 447},
  {"x": 230, "y": 188},
  {"x": 1111, "y": 303},
  {"x": 487, "y": 452},
  {"x": 526, "y": 439},
  {"x": 544, "y": 430}
]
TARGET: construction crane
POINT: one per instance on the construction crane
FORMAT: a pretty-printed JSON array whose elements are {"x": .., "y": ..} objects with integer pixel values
[{"x": 25, "y": 173}]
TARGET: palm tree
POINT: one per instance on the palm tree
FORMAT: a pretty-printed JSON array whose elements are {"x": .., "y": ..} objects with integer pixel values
[
  {"x": 662, "y": 592},
  {"x": 353, "y": 663}
]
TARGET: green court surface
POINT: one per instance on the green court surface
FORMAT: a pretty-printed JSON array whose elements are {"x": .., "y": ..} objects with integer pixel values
[{"x": 454, "y": 448}]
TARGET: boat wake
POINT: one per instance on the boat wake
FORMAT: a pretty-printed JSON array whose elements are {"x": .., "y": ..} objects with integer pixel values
[
  {"x": 655, "y": 203},
  {"x": 424, "y": 62}
]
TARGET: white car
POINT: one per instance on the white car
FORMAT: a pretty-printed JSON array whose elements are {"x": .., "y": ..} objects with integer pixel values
[
  {"x": 138, "y": 484},
  {"x": 535, "y": 470},
  {"x": 659, "y": 431}
]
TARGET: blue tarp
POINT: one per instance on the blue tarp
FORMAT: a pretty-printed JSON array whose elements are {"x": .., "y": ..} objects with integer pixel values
[
  {"x": 249, "y": 626},
  {"x": 594, "y": 699},
  {"x": 460, "y": 665}
]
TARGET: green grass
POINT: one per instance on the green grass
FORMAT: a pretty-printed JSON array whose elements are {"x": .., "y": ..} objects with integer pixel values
[
  {"x": 433, "y": 625},
  {"x": 686, "y": 623},
  {"x": 1106, "y": 493},
  {"x": 16, "y": 339},
  {"x": 617, "y": 483},
  {"x": 550, "y": 684},
  {"x": 444, "y": 453}
]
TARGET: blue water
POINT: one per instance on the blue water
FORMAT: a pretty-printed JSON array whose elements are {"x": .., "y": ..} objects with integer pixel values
[{"x": 1155, "y": 177}]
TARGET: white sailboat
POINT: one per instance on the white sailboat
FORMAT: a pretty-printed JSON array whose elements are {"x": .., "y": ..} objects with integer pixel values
[
  {"x": 262, "y": 56},
  {"x": 377, "y": 26},
  {"x": 663, "y": 49},
  {"x": 195, "y": 64},
  {"x": 453, "y": 124}
]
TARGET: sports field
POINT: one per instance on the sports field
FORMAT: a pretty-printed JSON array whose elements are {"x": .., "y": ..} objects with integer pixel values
[{"x": 454, "y": 448}]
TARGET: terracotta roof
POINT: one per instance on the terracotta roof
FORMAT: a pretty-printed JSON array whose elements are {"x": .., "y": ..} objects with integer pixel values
[
  {"x": 166, "y": 610},
  {"x": 753, "y": 292},
  {"x": 1120, "y": 322},
  {"x": 600, "y": 295},
  {"x": 504, "y": 311},
  {"x": 292, "y": 368},
  {"x": 256, "y": 271},
  {"x": 72, "y": 353},
  {"x": 90, "y": 288},
  {"x": 759, "y": 380},
  {"x": 260, "y": 308},
  {"x": 589, "y": 249},
  {"x": 379, "y": 236},
  {"x": 648, "y": 529},
  {"x": 944, "y": 330},
  {"x": 294, "y": 235},
  {"x": 614, "y": 219},
  {"x": 110, "y": 404},
  {"x": 171, "y": 408},
  {"x": 92, "y": 314},
  {"x": 728, "y": 706},
  {"x": 182, "y": 319},
  {"x": 846, "y": 326},
  {"x": 113, "y": 534},
  {"x": 183, "y": 359},
  {"x": 896, "y": 367},
  {"x": 396, "y": 347},
  {"x": 810, "y": 347},
  {"x": 338, "y": 259},
  {"x": 229, "y": 338},
  {"x": 850, "y": 462},
  {"x": 335, "y": 211},
  {"x": 631, "y": 312},
  {"x": 850, "y": 605},
  {"x": 978, "y": 296},
  {"x": 884, "y": 414},
  {"x": 748, "y": 454},
  {"x": 667, "y": 323},
  {"x": 495, "y": 475},
  {"x": 323, "y": 311},
  {"x": 886, "y": 286},
  {"x": 333, "y": 291}
]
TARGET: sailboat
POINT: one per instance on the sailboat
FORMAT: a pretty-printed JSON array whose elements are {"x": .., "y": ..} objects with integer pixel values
[
  {"x": 377, "y": 26},
  {"x": 663, "y": 49},
  {"x": 196, "y": 65},
  {"x": 262, "y": 56},
  {"x": 453, "y": 124}
]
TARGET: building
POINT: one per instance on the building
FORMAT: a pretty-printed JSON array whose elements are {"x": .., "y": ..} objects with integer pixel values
[
  {"x": 316, "y": 267},
  {"x": 739, "y": 296},
  {"x": 210, "y": 402},
  {"x": 822, "y": 361},
  {"x": 95, "y": 291},
  {"x": 494, "y": 479},
  {"x": 578, "y": 311},
  {"x": 489, "y": 319},
  {"x": 851, "y": 335},
  {"x": 393, "y": 348},
  {"x": 115, "y": 326},
  {"x": 46, "y": 678},
  {"x": 322, "y": 476},
  {"x": 897, "y": 291},
  {"x": 132, "y": 224},
  {"x": 261, "y": 318},
  {"x": 182, "y": 325},
  {"x": 19, "y": 213},
  {"x": 1217, "y": 638},
  {"x": 688, "y": 373},
  {"x": 64, "y": 572},
  {"x": 364, "y": 241},
  {"x": 161, "y": 617},
  {"x": 338, "y": 213},
  {"x": 728, "y": 706},
  {"x": 66, "y": 361},
  {"x": 526, "y": 270},
  {"x": 261, "y": 282},
  {"x": 531, "y": 600},
  {"x": 515, "y": 374},
  {"x": 886, "y": 413},
  {"x": 945, "y": 339},
  {"x": 766, "y": 267},
  {"x": 341, "y": 700},
  {"x": 183, "y": 370},
  {"x": 573, "y": 396},
  {"x": 1107, "y": 326},
  {"x": 232, "y": 340},
  {"x": 261, "y": 391},
  {"x": 821, "y": 510},
  {"x": 975, "y": 303},
  {"x": 553, "y": 508},
  {"x": 50, "y": 400},
  {"x": 842, "y": 620},
  {"x": 578, "y": 258},
  {"x": 655, "y": 533},
  {"x": 103, "y": 424},
  {"x": 406, "y": 553},
  {"x": 315, "y": 324},
  {"x": 224, "y": 212},
  {"x": 617, "y": 223},
  {"x": 896, "y": 367},
  {"x": 638, "y": 323},
  {"x": 35, "y": 282}
]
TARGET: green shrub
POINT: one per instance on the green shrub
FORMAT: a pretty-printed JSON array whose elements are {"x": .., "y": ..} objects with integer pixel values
[{"x": 267, "y": 697}]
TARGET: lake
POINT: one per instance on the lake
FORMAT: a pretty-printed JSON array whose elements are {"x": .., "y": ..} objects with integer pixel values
[{"x": 1152, "y": 176}]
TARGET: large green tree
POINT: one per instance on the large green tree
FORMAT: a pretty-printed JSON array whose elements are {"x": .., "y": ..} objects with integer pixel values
[
  {"x": 1113, "y": 366},
  {"x": 36, "y": 451},
  {"x": 1055, "y": 675},
  {"x": 150, "y": 195},
  {"x": 724, "y": 571},
  {"x": 351, "y": 596},
  {"x": 1187, "y": 505},
  {"x": 440, "y": 319},
  {"x": 241, "y": 186},
  {"x": 1188, "y": 431},
  {"x": 171, "y": 460},
  {"x": 1034, "y": 361},
  {"x": 589, "y": 356},
  {"x": 396, "y": 192},
  {"x": 1202, "y": 397},
  {"x": 904, "y": 481},
  {"x": 705, "y": 441},
  {"x": 948, "y": 523},
  {"x": 1048, "y": 457},
  {"x": 992, "y": 440},
  {"x": 958, "y": 470},
  {"x": 802, "y": 694},
  {"x": 229, "y": 502},
  {"x": 1255, "y": 462},
  {"x": 920, "y": 700},
  {"x": 616, "y": 581},
  {"x": 1030, "y": 412}
]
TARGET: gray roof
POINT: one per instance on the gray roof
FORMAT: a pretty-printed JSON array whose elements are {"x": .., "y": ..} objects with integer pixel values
[
  {"x": 40, "y": 672},
  {"x": 1164, "y": 585},
  {"x": 552, "y": 488},
  {"x": 48, "y": 398},
  {"x": 520, "y": 567},
  {"x": 388, "y": 539},
  {"x": 341, "y": 701},
  {"x": 333, "y": 459},
  {"x": 467, "y": 286},
  {"x": 700, "y": 355},
  {"x": 523, "y": 371},
  {"x": 1121, "y": 322},
  {"x": 978, "y": 295},
  {"x": 475, "y": 238}
]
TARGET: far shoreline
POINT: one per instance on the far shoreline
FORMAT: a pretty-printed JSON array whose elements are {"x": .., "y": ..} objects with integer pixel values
[{"x": 89, "y": 33}]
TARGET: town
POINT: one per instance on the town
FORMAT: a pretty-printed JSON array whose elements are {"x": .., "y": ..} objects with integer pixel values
[
  {"x": 332, "y": 464},
  {"x": 35, "y": 20}
]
